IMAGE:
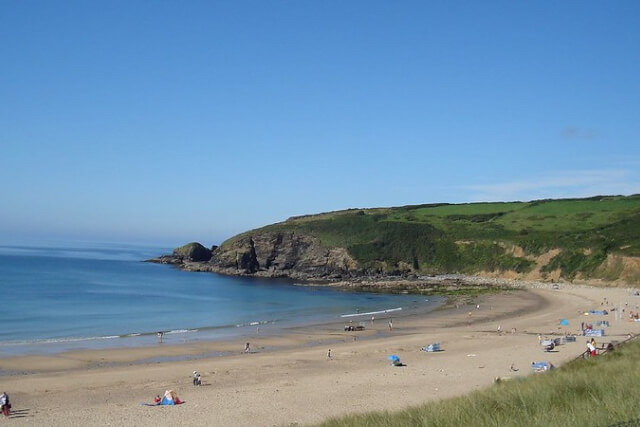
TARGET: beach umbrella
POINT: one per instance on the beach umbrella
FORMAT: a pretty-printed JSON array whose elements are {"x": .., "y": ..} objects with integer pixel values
[{"x": 393, "y": 358}]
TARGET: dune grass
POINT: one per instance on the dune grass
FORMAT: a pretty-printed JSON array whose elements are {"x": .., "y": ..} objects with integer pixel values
[{"x": 597, "y": 392}]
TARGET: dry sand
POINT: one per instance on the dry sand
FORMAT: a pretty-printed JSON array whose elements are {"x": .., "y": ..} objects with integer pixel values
[{"x": 290, "y": 380}]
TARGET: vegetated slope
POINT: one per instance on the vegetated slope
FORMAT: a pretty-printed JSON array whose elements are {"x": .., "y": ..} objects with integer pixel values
[{"x": 594, "y": 238}]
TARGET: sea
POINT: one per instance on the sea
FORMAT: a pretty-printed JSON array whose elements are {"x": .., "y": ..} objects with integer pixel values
[{"x": 71, "y": 296}]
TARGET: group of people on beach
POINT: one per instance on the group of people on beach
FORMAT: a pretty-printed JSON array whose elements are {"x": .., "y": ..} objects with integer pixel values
[
  {"x": 197, "y": 378},
  {"x": 170, "y": 398}
]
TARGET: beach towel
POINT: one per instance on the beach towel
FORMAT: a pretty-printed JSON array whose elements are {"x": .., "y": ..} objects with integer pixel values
[
  {"x": 541, "y": 366},
  {"x": 432, "y": 347},
  {"x": 163, "y": 402}
]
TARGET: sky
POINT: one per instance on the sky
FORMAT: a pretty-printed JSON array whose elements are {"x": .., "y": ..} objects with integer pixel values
[{"x": 168, "y": 122}]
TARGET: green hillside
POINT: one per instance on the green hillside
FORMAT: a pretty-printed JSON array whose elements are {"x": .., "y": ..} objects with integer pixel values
[{"x": 476, "y": 237}]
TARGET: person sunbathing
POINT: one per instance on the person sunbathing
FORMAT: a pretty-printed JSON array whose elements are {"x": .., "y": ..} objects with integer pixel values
[{"x": 171, "y": 398}]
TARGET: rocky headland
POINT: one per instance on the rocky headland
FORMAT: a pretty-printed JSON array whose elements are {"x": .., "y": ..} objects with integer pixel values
[
  {"x": 590, "y": 241},
  {"x": 276, "y": 255}
]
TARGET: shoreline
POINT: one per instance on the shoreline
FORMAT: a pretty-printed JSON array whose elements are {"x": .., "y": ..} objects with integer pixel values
[
  {"x": 289, "y": 378},
  {"x": 329, "y": 331},
  {"x": 208, "y": 336},
  {"x": 451, "y": 287}
]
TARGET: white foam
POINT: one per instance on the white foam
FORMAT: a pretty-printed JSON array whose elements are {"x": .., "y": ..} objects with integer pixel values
[
  {"x": 390, "y": 310},
  {"x": 178, "y": 331}
]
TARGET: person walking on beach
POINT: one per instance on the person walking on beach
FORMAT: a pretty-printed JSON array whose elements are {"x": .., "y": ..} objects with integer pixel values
[
  {"x": 390, "y": 325},
  {"x": 329, "y": 354},
  {"x": 197, "y": 379},
  {"x": 4, "y": 403},
  {"x": 246, "y": 348}
]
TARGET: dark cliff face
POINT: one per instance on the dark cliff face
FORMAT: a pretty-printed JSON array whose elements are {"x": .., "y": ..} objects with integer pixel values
[
  {"x": 194, "y": 252},
  {"x": 190, "y": 253},
  {"x": 286, "y": 254},
  {"x": 275, "y": 254}
]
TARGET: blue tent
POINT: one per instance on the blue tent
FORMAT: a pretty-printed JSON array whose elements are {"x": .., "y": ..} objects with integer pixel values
[
  {"x": 393, "y": 358},
  {"x": 564, "y": 322}
]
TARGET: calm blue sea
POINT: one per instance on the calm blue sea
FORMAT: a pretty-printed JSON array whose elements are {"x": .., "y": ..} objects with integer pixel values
[{"x": 102, "y": 295}]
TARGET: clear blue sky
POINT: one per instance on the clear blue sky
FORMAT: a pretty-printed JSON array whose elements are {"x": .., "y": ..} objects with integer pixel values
[{"x": 168, "y": 121}]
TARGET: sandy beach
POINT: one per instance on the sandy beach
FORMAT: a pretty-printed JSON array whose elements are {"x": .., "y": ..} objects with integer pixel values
[{"x": 289, "y": 379}]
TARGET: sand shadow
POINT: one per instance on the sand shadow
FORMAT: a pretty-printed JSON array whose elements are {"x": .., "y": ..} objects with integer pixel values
[{"x": 19, "y": 413}]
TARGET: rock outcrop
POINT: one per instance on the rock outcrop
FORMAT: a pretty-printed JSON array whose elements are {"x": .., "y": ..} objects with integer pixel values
[
  {"x": 191, "y": 252},
  {"x": 272, "y": 254}
]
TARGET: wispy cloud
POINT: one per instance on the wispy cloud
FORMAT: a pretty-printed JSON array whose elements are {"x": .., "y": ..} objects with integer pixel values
[
  {"x": 579, "y": 183},
  {"x": 572, "y": 132}
]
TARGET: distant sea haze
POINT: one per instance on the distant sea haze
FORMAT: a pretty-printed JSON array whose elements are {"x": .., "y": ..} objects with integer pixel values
[{"x": 103, "y": 295}]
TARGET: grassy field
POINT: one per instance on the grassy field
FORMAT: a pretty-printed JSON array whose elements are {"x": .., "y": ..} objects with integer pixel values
[
  {"x": 468, "y": 238},
  {"x": 597, "y": 392}
]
